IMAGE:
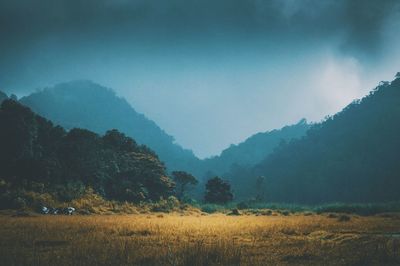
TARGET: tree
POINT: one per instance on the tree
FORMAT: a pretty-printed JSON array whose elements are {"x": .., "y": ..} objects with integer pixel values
[
  {"x": 34, "y": 151},
  {"x": 183, "y": 180},
  {"x": 218, "y": 191}
]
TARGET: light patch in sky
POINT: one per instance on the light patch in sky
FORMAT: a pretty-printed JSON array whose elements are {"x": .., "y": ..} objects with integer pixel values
[{"x": 336, "y": 83}]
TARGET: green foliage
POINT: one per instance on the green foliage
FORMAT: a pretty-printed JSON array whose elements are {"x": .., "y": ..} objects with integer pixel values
[
  {"x": 40, "y": 157},
  {"x": 218, "y": 191},
  {"x": 166, "y": 205}
]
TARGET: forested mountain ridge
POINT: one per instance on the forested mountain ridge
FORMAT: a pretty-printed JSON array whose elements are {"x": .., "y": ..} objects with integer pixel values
[
  {"x": 350, "y": 157},
  {"x": 254, "y": 149},
  {"x": 85, "y": 104},
  {"x": 37, "y": 156}
]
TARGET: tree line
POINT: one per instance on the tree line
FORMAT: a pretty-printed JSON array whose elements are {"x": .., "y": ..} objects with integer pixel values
[{"x": 36, "y": 155}]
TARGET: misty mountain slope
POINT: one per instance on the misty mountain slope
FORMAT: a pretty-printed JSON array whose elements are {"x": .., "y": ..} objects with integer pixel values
[
  {"x": 351, "y": 157},
  {"x": 254, "y": 149},
  {"x": 85, "y": 104}
]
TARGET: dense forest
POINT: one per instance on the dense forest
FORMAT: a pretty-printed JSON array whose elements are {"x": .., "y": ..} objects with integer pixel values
[
  {"x": 84, "y": 104},
  {"x": 350, "y": 157},
  {"x": 37, "y": 156}
]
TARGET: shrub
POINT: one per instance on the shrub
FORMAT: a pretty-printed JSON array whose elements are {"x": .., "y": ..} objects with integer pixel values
[
  {"x": 211, "y": 208},
  {"x": 166, "y": 205},
  {"x": 90, "y": 201},
  {"x": 235, "y": 212},
  {"x": 37, "y": 200}
]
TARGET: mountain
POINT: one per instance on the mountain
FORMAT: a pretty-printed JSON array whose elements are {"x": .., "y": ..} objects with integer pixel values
[
  {"x": 85, "y": 104},
  {"x": 254, "y": 149},
  {"x": 351, "y": 157},
  {"x": 37, "y": 156}
]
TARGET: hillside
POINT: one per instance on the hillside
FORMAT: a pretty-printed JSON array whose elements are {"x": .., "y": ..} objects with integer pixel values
[
  {"x": 254, "y": 149},
  {"x": 41, "y": 158},
  {"x": 350, "y": 157},
  {"x": 85, "y": 104}
]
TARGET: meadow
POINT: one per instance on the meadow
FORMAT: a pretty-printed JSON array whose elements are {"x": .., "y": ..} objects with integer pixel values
[{"x": 198, "y": 238}]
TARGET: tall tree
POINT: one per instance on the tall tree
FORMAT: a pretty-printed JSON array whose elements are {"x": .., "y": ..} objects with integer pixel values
[
  {"x": 183, "y": 180},
  {"x": 218, "y": 191}
]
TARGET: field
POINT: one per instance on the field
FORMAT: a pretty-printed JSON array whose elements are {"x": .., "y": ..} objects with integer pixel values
[{"x": 201, "y": 239}]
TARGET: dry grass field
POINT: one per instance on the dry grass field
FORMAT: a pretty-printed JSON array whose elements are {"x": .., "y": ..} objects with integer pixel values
[{"x": 200, "y": 239}]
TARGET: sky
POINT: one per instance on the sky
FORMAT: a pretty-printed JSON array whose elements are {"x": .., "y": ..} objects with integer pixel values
[{"x": 209, "y": 72}]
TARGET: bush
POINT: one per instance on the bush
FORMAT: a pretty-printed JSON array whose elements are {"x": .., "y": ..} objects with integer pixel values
[
  {"x": 211, "y": 208},
  {"x": 166, "y": 205},
  {"x": 37, "y": 200},
  {"x": 91, "y": 201}
]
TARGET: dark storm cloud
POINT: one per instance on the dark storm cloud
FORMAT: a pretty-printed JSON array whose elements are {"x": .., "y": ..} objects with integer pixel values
[{"x": 358, "y": 21}]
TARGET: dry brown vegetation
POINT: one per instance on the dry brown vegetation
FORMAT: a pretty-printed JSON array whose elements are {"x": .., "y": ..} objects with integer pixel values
[{"x": 200, "y": 239}]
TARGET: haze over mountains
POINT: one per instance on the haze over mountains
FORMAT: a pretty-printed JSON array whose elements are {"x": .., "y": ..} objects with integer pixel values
[
  {"x": 85, "y": 104},
  {"x": 254, "y": 149},
  {"x": 351, "y": 157}
]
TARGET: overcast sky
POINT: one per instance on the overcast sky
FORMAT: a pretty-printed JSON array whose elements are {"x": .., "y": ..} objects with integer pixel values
[{"x": 209, "y": 72}]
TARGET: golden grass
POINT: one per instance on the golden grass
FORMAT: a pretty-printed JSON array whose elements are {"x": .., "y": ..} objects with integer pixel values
[{"x": 218, "y": 239}]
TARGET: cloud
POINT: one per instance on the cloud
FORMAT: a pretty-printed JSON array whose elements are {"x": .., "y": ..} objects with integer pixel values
[
  {"x": 360, "y": 22},
  {"x": 234, "y": 66}
]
